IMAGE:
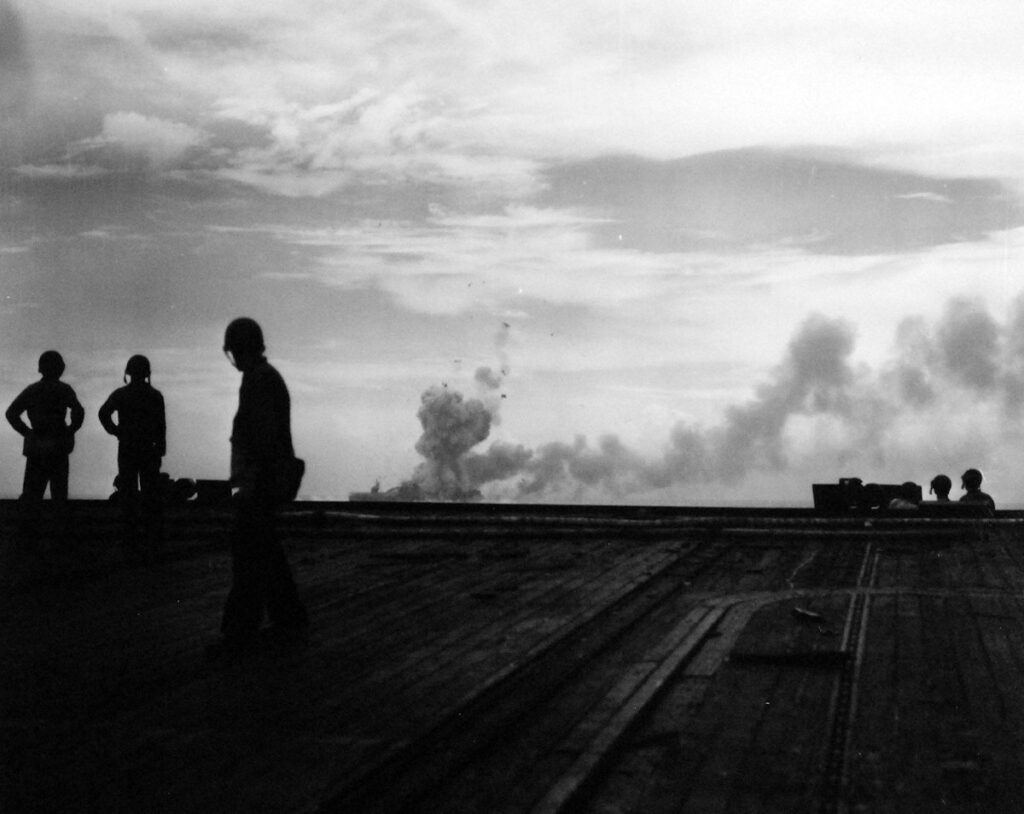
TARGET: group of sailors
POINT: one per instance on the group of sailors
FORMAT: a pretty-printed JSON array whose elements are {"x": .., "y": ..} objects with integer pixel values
[
  {"x": 941, "y": 486},
  {"x": 134, "y": 414},
  {"x": 264, "y": 472}
]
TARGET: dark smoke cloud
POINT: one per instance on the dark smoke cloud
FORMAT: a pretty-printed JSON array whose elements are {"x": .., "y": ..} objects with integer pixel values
[
  {"x": 500, "y": 462},
  {"x": 969, "y": 343},
  {"x": 812, "y": 379},
  {"x": 967, "y": 351},
  {"x": 576, "y": 468},
  {"x": 489, "y": 381},
  {"x": 452, "y": 426},
  {"x": 967, "y": 348},
  {"x": 487, "y": 378},
  {"x": 916, "y": 357}
]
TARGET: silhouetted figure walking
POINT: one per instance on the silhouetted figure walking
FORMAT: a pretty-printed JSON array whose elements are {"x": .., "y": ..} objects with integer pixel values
[
  {"x": 971, "y": 482},
  {"x": 940, "y": 487},
  {"x": 141, "y": 432},
  {"x": 54, "y": 416},
  {"x": 261, "y": 450}
]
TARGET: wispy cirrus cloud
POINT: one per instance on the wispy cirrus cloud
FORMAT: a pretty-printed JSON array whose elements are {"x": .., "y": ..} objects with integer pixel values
[
  {"x": 440, "y": 89},
  {"x": 453, "y": 263},
  {"x": 755, "y": 198},
  {"x": 128, "y": 143}
]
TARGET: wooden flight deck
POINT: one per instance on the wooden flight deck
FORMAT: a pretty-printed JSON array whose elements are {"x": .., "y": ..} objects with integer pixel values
[{"x": 485, "y": 658}]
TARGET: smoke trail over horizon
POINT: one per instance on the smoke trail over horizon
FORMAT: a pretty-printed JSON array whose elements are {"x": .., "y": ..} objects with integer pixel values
[{"x": 815, "y": 406}]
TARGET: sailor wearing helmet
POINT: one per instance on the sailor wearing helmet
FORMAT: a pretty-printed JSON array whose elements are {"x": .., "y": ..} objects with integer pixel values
[
  {"x": 54, "y": 416},
  {"x": 141, "y": 432}
]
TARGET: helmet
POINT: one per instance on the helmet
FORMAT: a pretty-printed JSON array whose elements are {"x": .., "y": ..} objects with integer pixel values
[
  {"x": 910, "y": 491},
  {"x": 243, "y": 334},
  {"x": 138, "y": 367},
  {"x": 971, "y": 479},
  {"x": 51, "y": 363}
]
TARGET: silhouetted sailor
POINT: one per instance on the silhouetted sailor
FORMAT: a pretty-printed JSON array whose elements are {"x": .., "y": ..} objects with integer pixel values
[
  {"x": 940, "y": 487},
  {"x": 907, "y": 497},
  {"x": 970, "y": 481},
  {"x": 261, "y": 452},
  {"x": 141, "y": 432},
  {"x": 54, "y": 416}
]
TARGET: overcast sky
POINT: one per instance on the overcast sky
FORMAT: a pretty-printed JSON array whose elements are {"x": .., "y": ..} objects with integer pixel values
[{"x": 709, "y": 252}]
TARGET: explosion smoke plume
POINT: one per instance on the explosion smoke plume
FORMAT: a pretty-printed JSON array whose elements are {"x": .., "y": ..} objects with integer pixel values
[
  {"x": 968, "y": 352},
  {"x": 452, "y": 426}
]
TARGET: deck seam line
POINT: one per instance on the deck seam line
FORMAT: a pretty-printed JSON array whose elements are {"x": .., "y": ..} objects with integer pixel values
[{"x": 572, "y": 782}]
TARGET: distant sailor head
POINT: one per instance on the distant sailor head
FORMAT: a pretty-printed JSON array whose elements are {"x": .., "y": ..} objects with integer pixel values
[
  {"x": 243, "y": 343},
  {"x": 941, "y": 486},
  {"x": 51, "y": 364},
  {"x": 971, "y": 479},
  {"x": 137, "y": 369}
]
